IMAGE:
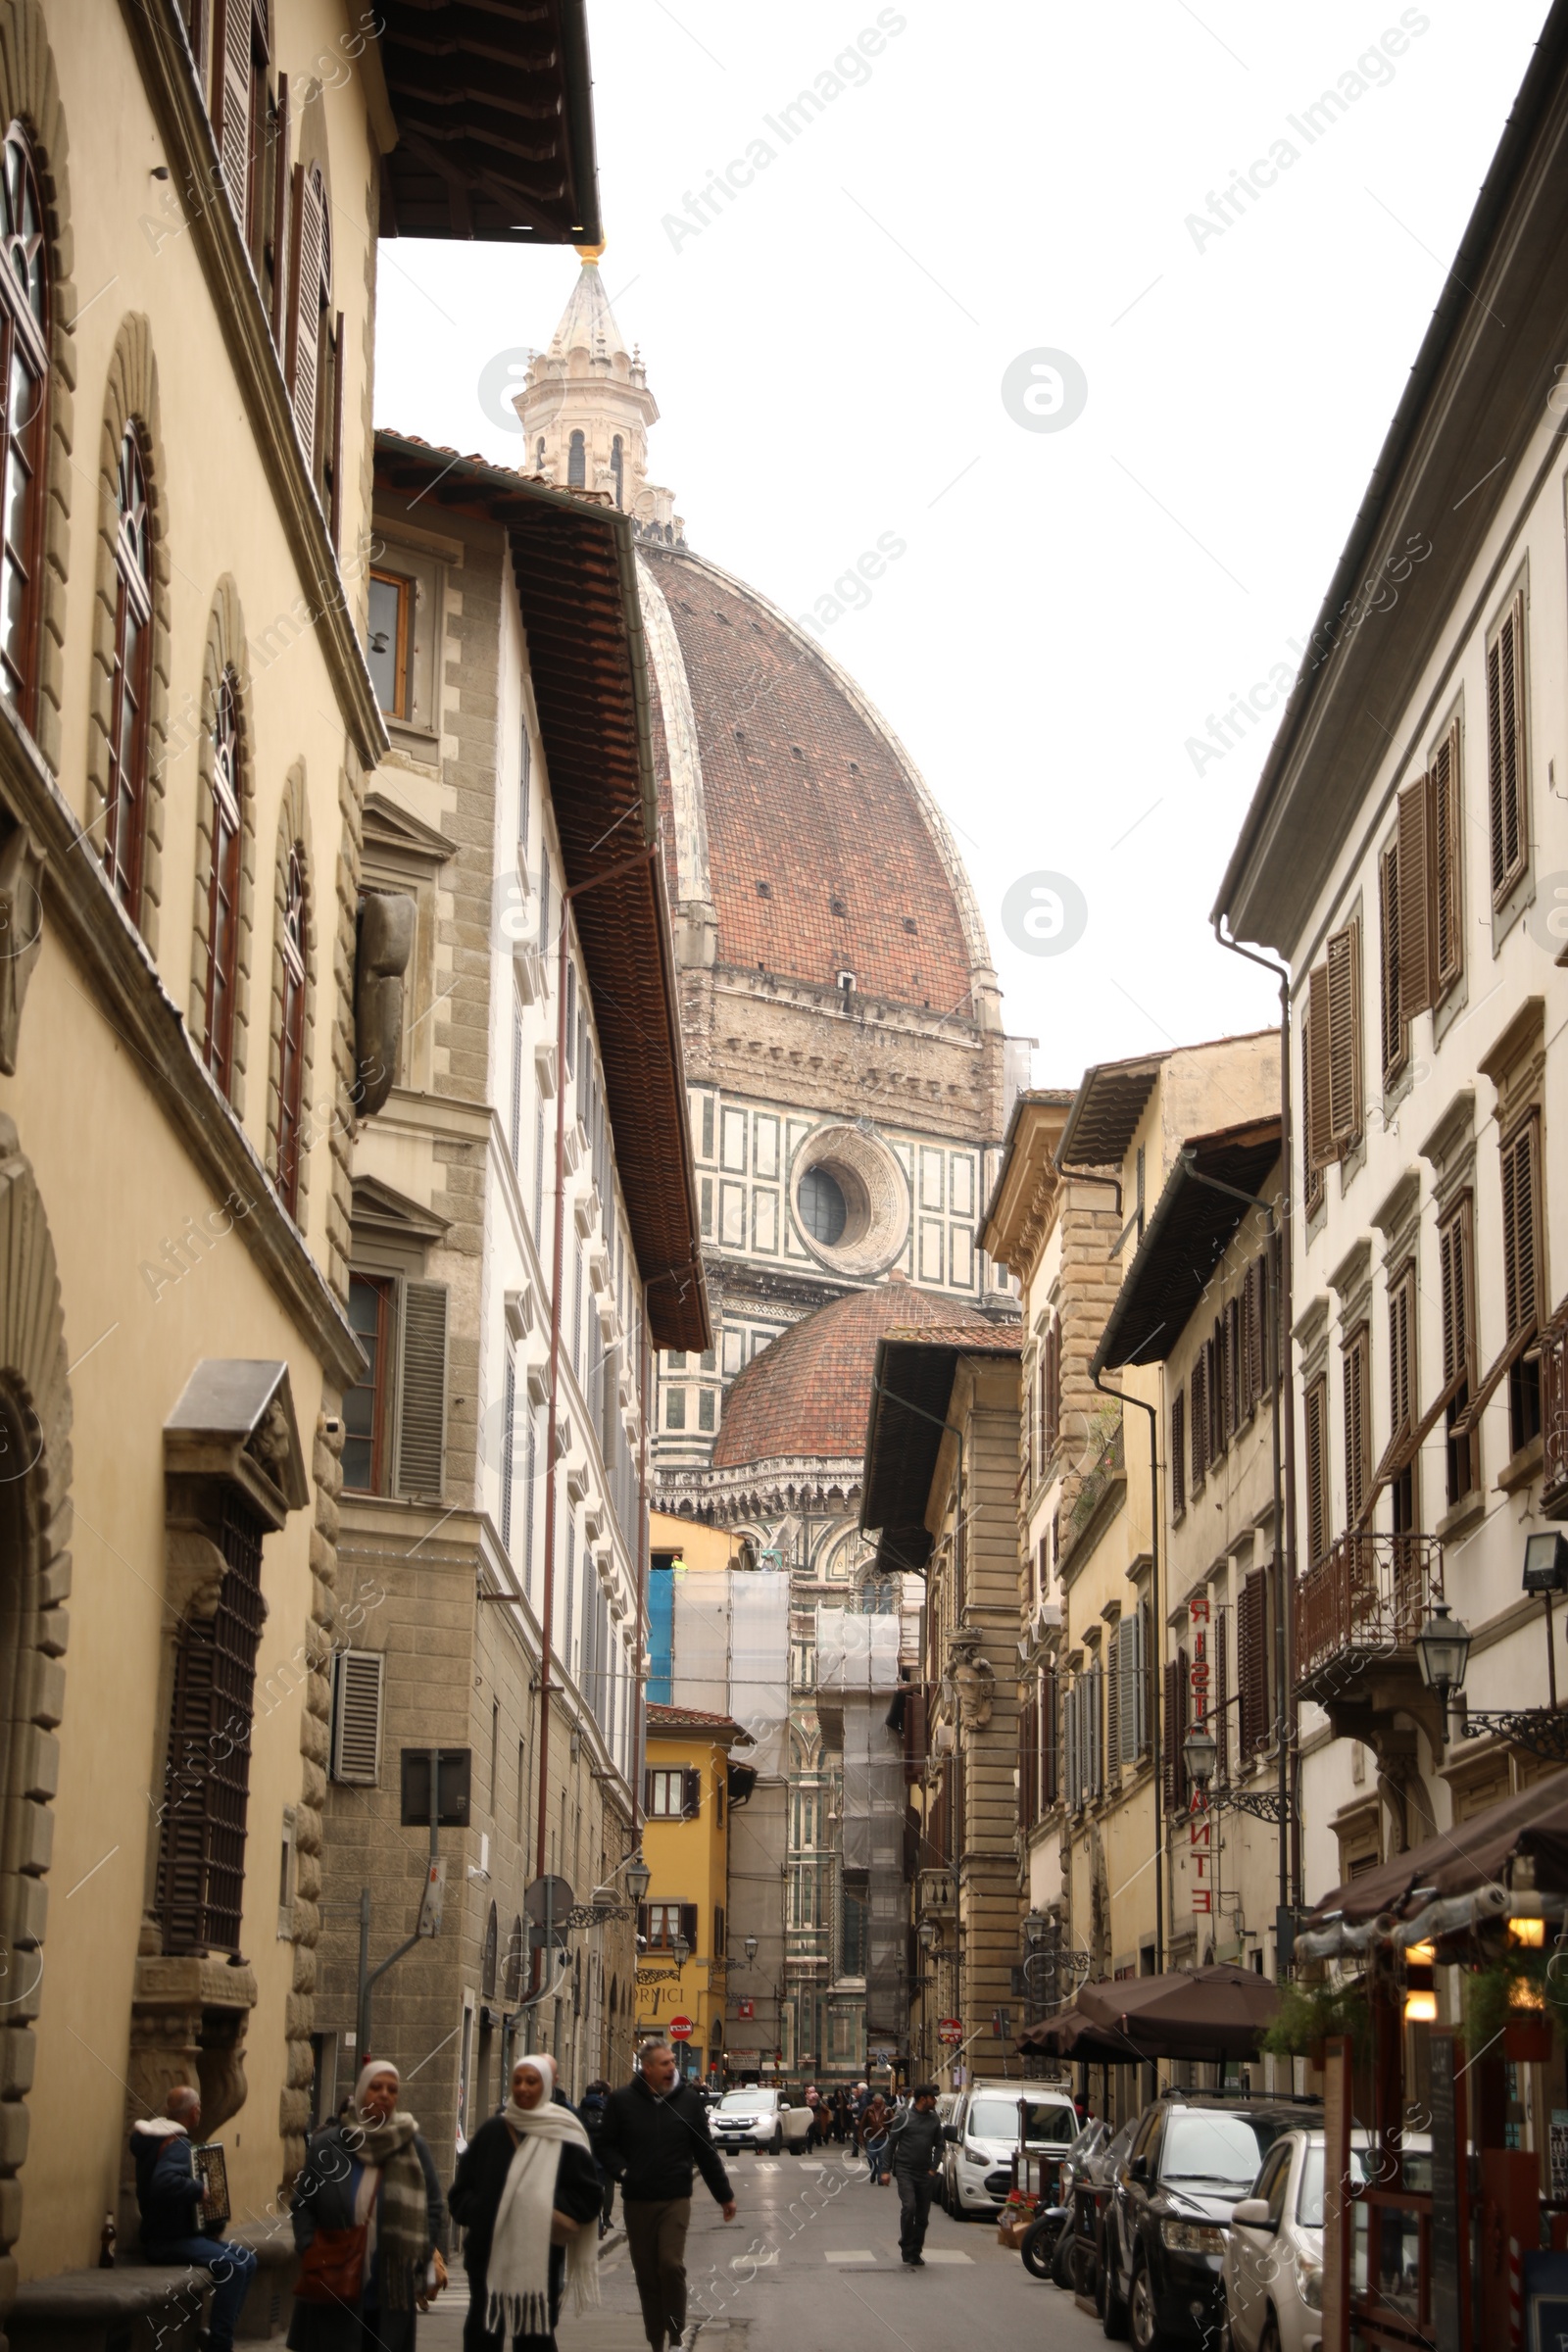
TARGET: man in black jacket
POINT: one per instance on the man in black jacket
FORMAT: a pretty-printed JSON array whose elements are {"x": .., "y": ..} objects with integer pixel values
[
  {"x": 917, "y": 2142},
  {"x": 653, "y": 2132}
]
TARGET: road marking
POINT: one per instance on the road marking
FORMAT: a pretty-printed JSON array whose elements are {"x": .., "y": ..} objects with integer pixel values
[
  {"x": 947, "y": 2254},
  {"x": 855, "y": 2254},
  {"x": 767, "y": 2168}
]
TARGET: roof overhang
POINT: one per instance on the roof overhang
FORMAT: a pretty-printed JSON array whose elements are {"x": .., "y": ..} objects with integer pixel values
[
  {"x": 493, "y": 103},
  {"x": 1105, "y": 1111},
  {"x": 911, "y": 1390},
  {"x": 1192, "y": 1227},
  {"x": 1473, "y": 402},
  {"x": 575, "y": 569},
  {"x": 1035, "y": 1128}
]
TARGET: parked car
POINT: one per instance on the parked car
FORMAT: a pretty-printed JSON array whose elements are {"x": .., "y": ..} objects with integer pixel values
[
  {"x": 1193, "y": 2157},
  {"x": 1273, "y": 2263},
  {"x": 749, "y": 2118},
  {"x": 977, "y": 2169}
]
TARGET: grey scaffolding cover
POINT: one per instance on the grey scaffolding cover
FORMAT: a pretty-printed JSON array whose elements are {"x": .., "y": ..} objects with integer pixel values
[
  {"x": 731, "y": 1644},
  {"x": 857, "y": 1674}
]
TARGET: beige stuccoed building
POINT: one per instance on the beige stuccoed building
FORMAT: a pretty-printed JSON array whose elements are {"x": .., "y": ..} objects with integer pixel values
[{"x": 187, "y": 722}]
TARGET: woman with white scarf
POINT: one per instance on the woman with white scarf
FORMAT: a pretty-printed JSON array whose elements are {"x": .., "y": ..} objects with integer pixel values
[
  {"x": 367, "y": 2225},
  {"x": 527, "y": 2195}
]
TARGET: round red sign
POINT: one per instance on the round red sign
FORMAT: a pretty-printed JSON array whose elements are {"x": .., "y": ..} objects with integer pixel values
[{"x": 680, "y": 2029}]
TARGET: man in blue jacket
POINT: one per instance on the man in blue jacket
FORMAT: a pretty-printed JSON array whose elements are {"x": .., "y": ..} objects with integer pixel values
[{"x": 168, "y": 2199}]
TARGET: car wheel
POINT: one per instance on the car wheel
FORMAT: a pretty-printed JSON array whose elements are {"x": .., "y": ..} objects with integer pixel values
[
  {"x": 776, "y": 2146},
  {"x": 1142, "y": 2317},
  {"x": 1108, "y": 2298},
  {"x": 1064, "y": 2263},
  {"x": 1039, "y": 2243}
]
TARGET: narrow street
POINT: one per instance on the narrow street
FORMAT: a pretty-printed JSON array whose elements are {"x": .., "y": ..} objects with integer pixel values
[{"x": 813, "y": 2258}]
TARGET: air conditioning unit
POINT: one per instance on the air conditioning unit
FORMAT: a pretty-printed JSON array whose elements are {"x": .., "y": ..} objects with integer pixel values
[
  {"x": 562, "y": 1437},
  {"x": 576, "y": 1482},
  {"x": 538, "y": 1377},
  {"x": 544, "y": 1070},
  {"x": 585, "y": 1208},
  {"x": 592, "y": 1520},
  {"x": 571, "y": 1149},
  {"x": 609, "y": 1319},
  {"x": 520, "y": 1311},
  {"x": 599, "y": 1264},
  {"x": 582, "y": 1133},
  {"x": 527, "y": 972}
]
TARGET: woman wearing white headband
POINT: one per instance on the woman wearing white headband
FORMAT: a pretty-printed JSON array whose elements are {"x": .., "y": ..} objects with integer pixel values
[
  {"x": 367, "y": 2220},
  {"x": 527, "y": 2194}
]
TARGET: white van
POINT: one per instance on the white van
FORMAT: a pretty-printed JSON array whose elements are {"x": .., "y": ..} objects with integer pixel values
[{"x": 977, "y": 2169}]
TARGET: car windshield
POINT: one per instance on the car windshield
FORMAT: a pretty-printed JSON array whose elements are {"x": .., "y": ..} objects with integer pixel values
[
  {"x": 1416, "y": 2165},
  {"x": 995, "y": 2117},
  {"x": 748, "y": 2102},
  {"x": 1214, "y": 2151}
]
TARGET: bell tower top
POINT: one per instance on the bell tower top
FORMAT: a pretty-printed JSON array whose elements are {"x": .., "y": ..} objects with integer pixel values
[{"x": 585, "y": 409}]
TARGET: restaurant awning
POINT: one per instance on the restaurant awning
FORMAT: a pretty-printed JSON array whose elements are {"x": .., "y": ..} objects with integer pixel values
[{"x": 1210, "y": 2014}]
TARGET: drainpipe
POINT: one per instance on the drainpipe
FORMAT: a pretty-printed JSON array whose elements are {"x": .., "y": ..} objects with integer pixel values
[
  {"x": 1284, "y": 1378},
  {"x": 622, "y": 866},
  {"x": 1155, "y": 1694}
]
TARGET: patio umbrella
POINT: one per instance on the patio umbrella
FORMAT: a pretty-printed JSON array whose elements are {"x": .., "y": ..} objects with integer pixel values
[{"x": 1213, "y": 2014}]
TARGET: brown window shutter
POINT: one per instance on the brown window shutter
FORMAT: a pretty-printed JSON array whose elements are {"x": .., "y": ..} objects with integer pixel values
[
  {"x": 1170, "y": 1762},
  {"x": 1358, "y": 1425},
  {"x": 915, "y": 1735},
  {"x": 1320, "y": 1126},
  {"x": 1235, "y": 1367},
  {"x": 1215, "y": 1391},
  {"x": 1447, "y": 862},
  {"x": 1412, "y": 910},
  {"x": 1113, "y": 1705},
  {"x": 422, "y": 1391},
  {"x": 1401, "y": 1325},
  {"x": 279, "y": 222},
  {"x": 644, "y": 1923},
  {"x": 1252, "y": 1661},
  {"x": 1263, "y": 1338},
  {"x": 1199, "y": 1420},
  {"x": 648, "y": 1791},
  {"x": 231, "y": 89},
  {"x": 304, "y": 310},
  {"x": 1219, "y": 1722},
  {"x": 335, "y": 443},
  {"x": 1178, "y": 1453},
  {"x": 1393, "y": 1035},
  {"x": 1344, "y": 968},
  {"x": 691, "y": 1793},
  {"x": 1317, "y": 1497},
  {"x": 1050, "y": 1768},
  {"x": 1505, "y": 750},
  {"x": 688, "y": 1926},
  {"x": 1521, "y": 1283}
]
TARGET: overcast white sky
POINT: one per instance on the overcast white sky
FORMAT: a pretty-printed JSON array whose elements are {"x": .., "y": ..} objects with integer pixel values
[{"x": 828, "y": 355}]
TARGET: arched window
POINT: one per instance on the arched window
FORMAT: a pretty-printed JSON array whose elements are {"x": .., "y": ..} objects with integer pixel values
[
  {"x": 578, "y": 464},
  {"x": 126, "y": 808},
  {"x": 291, "y": 1034},
  {"x": 618, "y": 467},
  {"x": 23, "y": 386},
  {"x": 222, "y": 896}
]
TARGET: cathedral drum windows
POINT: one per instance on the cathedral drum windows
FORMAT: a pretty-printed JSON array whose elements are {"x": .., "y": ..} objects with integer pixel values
[{"x": 850, "y": 1199}]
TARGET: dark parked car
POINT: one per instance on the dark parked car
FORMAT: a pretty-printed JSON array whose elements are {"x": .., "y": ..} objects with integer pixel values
[{"x": 1193, "y": 2158}]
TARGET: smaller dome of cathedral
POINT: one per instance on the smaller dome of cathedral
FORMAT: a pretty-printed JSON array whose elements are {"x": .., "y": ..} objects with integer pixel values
[{"x": 809, "y": 1393}]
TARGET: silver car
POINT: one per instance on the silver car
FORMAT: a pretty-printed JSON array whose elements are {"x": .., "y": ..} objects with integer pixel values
[{"x": 1273, "y": 2262}]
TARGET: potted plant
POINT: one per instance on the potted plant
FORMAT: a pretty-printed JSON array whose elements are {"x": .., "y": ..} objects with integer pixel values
[
  {"x": 1513, "y": 2000},
  {"x": 1308, "y": 2014}
]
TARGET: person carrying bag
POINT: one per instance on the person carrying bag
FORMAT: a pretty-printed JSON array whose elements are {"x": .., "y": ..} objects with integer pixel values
[
  {"x": 525, "y": 2191},
  {"x": 366, "y": 2217}
]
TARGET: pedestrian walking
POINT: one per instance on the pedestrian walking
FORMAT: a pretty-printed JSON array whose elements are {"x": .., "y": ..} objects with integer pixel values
[
  {"x": 917, "y": 2141},
  {"x": 527, "y": 2195},
  {"x": 874, "y": 2141},
  {"x": 592, "y": 2111},
  {"x": 655, "y": 2133},
  {"x": 169, "y": 2198},
  {"x": 368, "y": 2221},
  {"x": 814, "y": 2133}
]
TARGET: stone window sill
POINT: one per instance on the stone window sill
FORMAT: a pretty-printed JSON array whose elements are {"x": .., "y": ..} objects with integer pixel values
[{"x": 1524, "y": 1468}]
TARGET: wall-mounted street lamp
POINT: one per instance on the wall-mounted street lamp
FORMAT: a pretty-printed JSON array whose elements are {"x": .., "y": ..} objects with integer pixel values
[
  {"x": 1200, "y": 1755},
  {"x": 751, "y": 1950},
  {"x": 930, "y": 1934},
  {"x": 1443, "y": 1648},
  {"x": 638, "y": 1880}
]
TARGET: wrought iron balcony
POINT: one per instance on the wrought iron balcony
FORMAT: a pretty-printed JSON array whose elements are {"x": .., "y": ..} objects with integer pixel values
[
  {"x": 1360, "y": 1610},
  {"x": 933, "y": 1894},
  {"x": 1554, "y": 1417}
]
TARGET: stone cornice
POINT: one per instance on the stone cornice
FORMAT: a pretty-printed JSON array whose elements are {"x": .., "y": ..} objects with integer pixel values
[
  {"x": 169, "y": 77},
  {"x": 127, "y": 988}
]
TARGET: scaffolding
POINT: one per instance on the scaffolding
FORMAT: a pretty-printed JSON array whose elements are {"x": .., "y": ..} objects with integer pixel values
[{"x": 858, "y": 1674}]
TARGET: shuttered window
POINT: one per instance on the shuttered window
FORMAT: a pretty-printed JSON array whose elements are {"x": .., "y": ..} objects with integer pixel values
[
  {"x": 1522, "y": 1286},
  {"x": 1262, "y": 1337},
  {"x": 1311, "y": 1167},
  {"x": 1178, "y": 1453},
  {"x": 515, "y": 1130},
  {"x": 313, "y": 365},
  {"x": 1447, "y": 861},
  {"x": 1403, "y": 1391},
  {"x": 1235, "y": 1368},
  {"x": 357, "y": 1679},
  {"x": 1173, "y": 1763},
  {"x": 1251, "y": 1663},
  {"x": 1029, "y": 1757},
  {"x": 1216, "y": 1387},
  {"x": 1049, "y": 1734},
  {"x": 1199, "y": 1419},
  {"x": 1334, "y": 1047},
  {"x": 130, "y": 690},
  {"x": 1357, "y": 1361},
  {"x": 25, "y": 377},
  {"x": 1456, "y": 1271},
  {"x": 223, "y": 882},
  {"x": 201, "y": 1876},
  {"x": 421, "y": 1425},
  {"x": 1113, "y": 1705},
  {"x": 1505, "y": 750},
  {"x": 509, "y": 1439},
  {"x": 1132, "y": 1729},
  {"x": 1219, "y": 1721},
  {"x": 1428, "y": 888},
  {"x": 1394, "y": 1029},
  {"x": 1317, "y": 1471},
  {"x": 239, "y": 88}
]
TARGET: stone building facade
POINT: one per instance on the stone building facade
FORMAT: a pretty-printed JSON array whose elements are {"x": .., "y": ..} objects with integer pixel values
[{"x": 534, "y": 1150}]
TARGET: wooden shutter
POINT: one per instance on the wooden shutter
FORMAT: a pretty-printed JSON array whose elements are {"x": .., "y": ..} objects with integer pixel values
[
  {"x": 1263, "y": 1337},
  {"x": 334, "y": 503},
  {"x": 1409, "y": 903},
  {"x": 1235, "y": 1368},
  {"x": 1317, "y": 1462},
  {"x": 1393, "y": 1035},
  {"x": 1114, "y": 1674},
  {"x": 356, "y": 1717},
  {"x": 1072, "y": 1709},
  {"x": 1050, "y": 1733},
  {"x": 1357, "y": 1425},
  {"x": 1214, "y": 1387},
  {"x": 1199, "y": 1419},
  {"x": 231, "y": 89},
  {"x": 1521, "y": 1253},
  {"x": 1344, "y": 990},
  {"x": 1401, "y": 1366},
  {"x": 305, "y": 311},
  {"x": 1505, "y": 750},
  {"x": 1447, "y": 862},
  {"x": 691, "y": 1793},
  {"x": 1173, "y": 1764},
  {"x": 1219, "y": 1721},
  {"x": 422, "y": 1391},
  {"x": 1251, "y": 1662},
  {"x": 1178, "y": 1453},
  {"x": 1453, "y": 1265},
  {"x": 1315, "y": 1069},
  {"x": 1129, "y": 1678},
  {"x": 278, "y": 312}
]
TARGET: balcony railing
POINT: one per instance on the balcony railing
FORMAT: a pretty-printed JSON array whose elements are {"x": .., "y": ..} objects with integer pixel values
[
  {"x": 1368, "y": 1600},
  {"x": 1554, "y": 1418},
  {"x": 933, "y": 1894}
]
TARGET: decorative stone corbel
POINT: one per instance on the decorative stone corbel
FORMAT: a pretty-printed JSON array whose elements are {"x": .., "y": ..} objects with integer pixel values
[
  {"x": 380, "y": 962},
  {"x": 20, "y": 931},
  {"x": 193, "y": 1572}
]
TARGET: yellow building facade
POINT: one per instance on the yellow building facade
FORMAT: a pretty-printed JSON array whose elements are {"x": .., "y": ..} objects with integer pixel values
[{"x": 682, "y": 1958}]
